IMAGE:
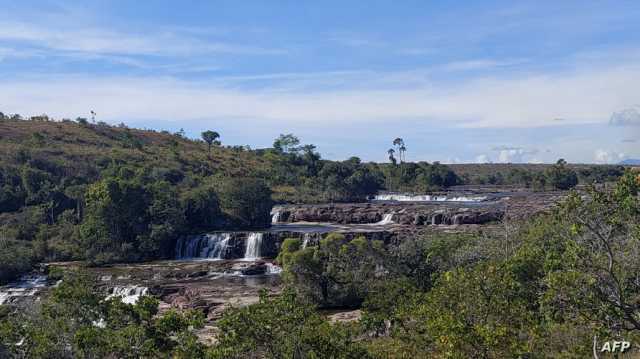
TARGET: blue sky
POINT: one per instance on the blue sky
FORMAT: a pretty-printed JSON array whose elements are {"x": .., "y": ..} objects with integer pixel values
[{"x": 464, "y": 81}]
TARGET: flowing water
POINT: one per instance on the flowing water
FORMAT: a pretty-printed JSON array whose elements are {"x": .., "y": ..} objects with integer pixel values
[
  {"x": 211, "y": 246},
  {"x": 275, "y": 216},
  {"x": 254, "y": 246},
  {"x": 386, "y": 219},
  {"x": 398, "y": 197},
  {"x": 26, "y": 286},
  {"x": 128, "y": 294}
]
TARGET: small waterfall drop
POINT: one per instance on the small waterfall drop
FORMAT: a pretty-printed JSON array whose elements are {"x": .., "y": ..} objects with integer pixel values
[
  {"x": 254, "y": 246},
  {"x": 386, "y": 219},
  {"x": 275, "y": 216},
  {"x": 128, "y": 294},
  {"x": 427, "y": 198},
  {"x": 305, "y": 240},
  {"x": 212, "y": 246},
  {"x": 273, "y": 269},
  {"x": 26, "y": 286}
]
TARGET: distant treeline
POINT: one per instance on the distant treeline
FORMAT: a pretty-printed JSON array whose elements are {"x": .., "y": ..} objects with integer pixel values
[{"x": 532, "y": 175}]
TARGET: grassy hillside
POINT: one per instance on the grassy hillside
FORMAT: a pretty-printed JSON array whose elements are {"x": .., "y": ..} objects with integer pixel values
[{"x": 83, "y": 149}]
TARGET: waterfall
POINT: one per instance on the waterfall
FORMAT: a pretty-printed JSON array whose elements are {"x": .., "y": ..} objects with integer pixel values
[
  {"x": 26, "y": 286},
  {"x": 275, "y": 216},
  {"x": 386, "y": 219},
  {"x": 212, "y": 246},
  {"x": 427, "y": 198},
  {"x": 305, "y": 240},
  {"x": 3, "y": 297},
  {"x": 254, "y": 246},
  {"x": 128, "y": 294}
]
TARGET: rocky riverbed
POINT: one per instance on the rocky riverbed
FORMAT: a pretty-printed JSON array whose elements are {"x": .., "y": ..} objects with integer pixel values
[
  {"x": 210, "y": 286},
  {"x": 484, "y": 210},
  {"x": 213, "y": 271}
]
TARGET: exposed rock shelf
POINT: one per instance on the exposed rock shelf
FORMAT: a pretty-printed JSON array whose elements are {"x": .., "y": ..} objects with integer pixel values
[
  {"x": 388, "y": 213},
  {"x": 511, "y": 205}
]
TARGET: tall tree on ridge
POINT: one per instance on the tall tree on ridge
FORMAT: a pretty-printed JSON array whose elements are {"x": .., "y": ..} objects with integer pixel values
[
  {"x": 391, "y": 152},
  {"x": 399, "y": 142},
  {"x": 210, "y": 137}
]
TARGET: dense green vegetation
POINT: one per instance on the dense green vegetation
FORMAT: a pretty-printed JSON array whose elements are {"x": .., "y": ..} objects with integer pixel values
[
  {"x": 548, "y": 289},
  {"x": 535, "y": 176},
  {"x": 73, "y": 190},
  {"x": 76, "y": 190},
  {"x": 283, "y": 327},
  {"x": 74, "y": 321}
]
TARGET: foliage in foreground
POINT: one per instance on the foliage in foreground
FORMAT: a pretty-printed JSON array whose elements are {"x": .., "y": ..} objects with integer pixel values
[
  {"x": 561, "y": 282},
  {"x": 565, "y": 280},
  {"x": 76, "y": 322},
  {"x": 283, "y": 327},
  {"x": 335, "y": 273}
]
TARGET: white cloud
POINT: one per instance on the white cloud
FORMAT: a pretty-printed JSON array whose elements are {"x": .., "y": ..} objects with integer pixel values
[
  {"x": 482, "y": 159},
  {"x": 605, "y": 156},
  {"x": 518, "y": 101},
  {"x": 626, "y": 117},
  {"x": 511, "y": 156}
]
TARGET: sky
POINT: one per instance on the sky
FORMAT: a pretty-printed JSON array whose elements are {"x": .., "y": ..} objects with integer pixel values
[{"x": 459, "y": 81}]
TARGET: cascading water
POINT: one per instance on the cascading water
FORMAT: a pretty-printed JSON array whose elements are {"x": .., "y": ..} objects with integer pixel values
[
  {"x": 386, "y": 219},
  {"x": 427, "y": 198},
  {"x": 27, "y": 286},
  {"x": 128, "y": 294},
  {"x": 254, "y": 246},
  {"x": 212, "y": 246},
  {"x": 273, "y": 269},
  {"x": 275, "y": 216},
  {"x": 305, "y": 240}
]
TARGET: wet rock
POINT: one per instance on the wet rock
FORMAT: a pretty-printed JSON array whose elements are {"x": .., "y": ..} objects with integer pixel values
[
  {"x": 410, "y": 214},
  {"x": 197, "y": 274},
  {"x": 255, "y": 269}
]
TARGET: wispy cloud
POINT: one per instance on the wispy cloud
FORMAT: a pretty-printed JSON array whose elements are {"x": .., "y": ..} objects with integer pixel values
[
  {"x": 520, "y": 101},
  {"x": 480, "y": 64},
  {"x": 92, "y": 40},
  {"x": 13, "y": 53}
]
